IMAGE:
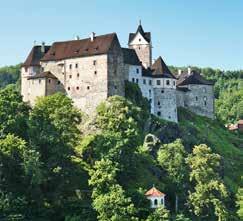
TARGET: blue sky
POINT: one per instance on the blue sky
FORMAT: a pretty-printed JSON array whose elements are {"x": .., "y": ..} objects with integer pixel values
[{"x": 203, "y": 33}]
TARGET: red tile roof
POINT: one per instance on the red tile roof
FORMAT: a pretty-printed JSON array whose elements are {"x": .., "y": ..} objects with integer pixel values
[
  {"x": 47, "y": 74},
  {"x": 193, "y": 78},
  {"x": 34, "y": 56},
  {"x": 81, "y": 48},
  {"x": 154, "y": 192}
]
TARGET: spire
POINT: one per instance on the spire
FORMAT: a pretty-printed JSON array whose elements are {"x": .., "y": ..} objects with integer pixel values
[{"x": 140, "y": 23}]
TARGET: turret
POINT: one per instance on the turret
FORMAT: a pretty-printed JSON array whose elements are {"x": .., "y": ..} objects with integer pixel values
[{"x": 140, "y": 41}]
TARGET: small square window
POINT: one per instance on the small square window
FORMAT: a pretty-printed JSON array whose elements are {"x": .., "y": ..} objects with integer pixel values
[
  {"x": 137, "y": 70},
  {"x": 133, "y": 80},
  {"x": 49, "y": 80},
  {"x": 94, "y": 62},
  {"x": 58, "y": 82},
  {"x": 39, "y": 81},
  {"x": 70, "y": 66},
  {"x": 139, "y": 39},
  {"x": 196, "y": 98},
  {"x": 69, "y": 88},
  {"x": 76, "y": 65},
  {"x": 70, "y": 76},
  {"x": 158, "y": 82},
  {"x": 88, "y": 87},
  {"x": 77, "y": 88},
  {"x": 137, "y": 81},
  {"x": 162, "y": 91},
  {"x": 174, "y": 83},
  {"x": 144, "y": 81},
  {"x": 167, "y": 82},
  {"x": 77, "y": 74},
  {"x": 158, "y": 103},
  {"x": 95, "y": 72},
  {"x": 159, "y": 113},
  {"x": 150, "y": 82}
]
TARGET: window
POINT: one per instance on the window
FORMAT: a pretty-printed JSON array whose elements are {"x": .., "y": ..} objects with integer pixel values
[
  {"x": 162, "y": 91},
  {"x": 76, "y": 65},
  {"x": 144, "y": 81},
  {"x": 133, "y": 80},
  {"x": 94, "y": 62},
  {"x": 205, "y": 103},
  {"x": 137, "y": 81},
  {"x": 139, "y": 39},
  {"x": 150, "y": 93},
  {"x": 70, "y": 76},
  {"x": 39, "y": 81},
  {"x": 162, "y": 201},
  {"x": 88, "y": 87},
  {"x": 77, "y": 88},
  {"x": 159, "y": 113},
  {"x": 26, "y": 69},
  {"x": 95, "y": 72},
  {"x": 77, "y": 74},
  {"x": 150, "y": 101},
  {"x": 158, "y": 103},
  {"x": 139, "y": 48},
  {"x": 169, "y": 117},
  {"x": 174, "y": 83},
  {"x": 167, "y": 82},
  {"x": 69, "y": 88},
  {"x": 49, "y": 80},
  {"x": 196, "y": 98},
  {"x": 150, "y": 82},
  {"x": 70, "y": 66},
  {"x": 137, "y": 70},
  {"x": 115, "y": 86},
  {"x": 58, "y": 82},
  {"x": 158, "y": 82}
]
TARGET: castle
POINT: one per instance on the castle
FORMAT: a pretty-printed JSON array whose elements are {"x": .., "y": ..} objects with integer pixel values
[{"x": 92, "y": 69}]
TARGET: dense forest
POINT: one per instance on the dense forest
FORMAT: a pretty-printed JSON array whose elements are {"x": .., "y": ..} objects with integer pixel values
[{"x": 58, "y": 164}]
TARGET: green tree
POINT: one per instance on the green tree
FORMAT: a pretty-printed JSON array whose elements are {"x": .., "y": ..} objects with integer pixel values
[
  {"x": 181, "y": 217},
  {"x": 54, "y": 133},
  {"x": 171, "y": 157},
  {"x": 109, "y": 198},
  {"x": 159, "y": 214},
  {"x": 13, "y": 113},
  {"x": 209, "y": 192},
  {"x": 240, "y": 202}
]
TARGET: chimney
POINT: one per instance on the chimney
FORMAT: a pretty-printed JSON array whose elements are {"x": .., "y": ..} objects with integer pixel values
[
  {"x": 189, "y": 70},
  {"x": 92, "y": 36},
  {"x": 43, "y": 47},
  {"x": 77, "y": 38}
]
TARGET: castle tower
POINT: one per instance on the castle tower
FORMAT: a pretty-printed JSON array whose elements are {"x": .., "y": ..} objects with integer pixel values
[{"x": 141, "y": 43}]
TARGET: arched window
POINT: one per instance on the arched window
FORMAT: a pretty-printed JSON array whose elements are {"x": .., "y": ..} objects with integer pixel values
[{"x": 155, "y": 202}]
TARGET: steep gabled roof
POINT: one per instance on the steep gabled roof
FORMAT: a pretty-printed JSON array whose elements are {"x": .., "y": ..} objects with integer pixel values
[
  {"x": 35, "y": 56},
  {"x": 192, "y": 78},
  {"x": 130, "y": 56},
  {"x": 47, "y": 74},
  {"x": 81, "y": 48},
  {"x": 146, "y": 35},
  {"x": 158, "y": 70},
  {"x": 154, "y": 193}
]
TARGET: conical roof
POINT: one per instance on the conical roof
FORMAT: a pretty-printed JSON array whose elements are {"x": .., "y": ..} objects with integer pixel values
[
  {"x": 154, "y": 192},
  {"x": 160, "y": 69},
  {"x": 146, "y": 35}
]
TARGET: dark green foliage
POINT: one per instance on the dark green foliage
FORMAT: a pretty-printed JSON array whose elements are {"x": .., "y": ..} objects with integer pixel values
[
  {"x": 10, "y": 75},
  {"x": 240, "y": 202},
  {"x": 13, "y": 113}
]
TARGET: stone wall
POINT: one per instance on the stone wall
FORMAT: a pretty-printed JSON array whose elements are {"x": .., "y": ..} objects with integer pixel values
[
  {"x": 200, "y": 100},
  {"x": 165, "y": 104},
  {"x": 84, "y": 79},
  {"x": 36, "y": 88},
  {"x": 116, "y": 70}
]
